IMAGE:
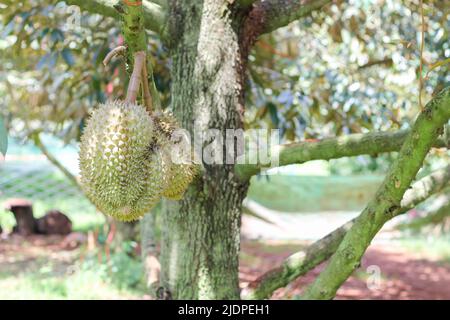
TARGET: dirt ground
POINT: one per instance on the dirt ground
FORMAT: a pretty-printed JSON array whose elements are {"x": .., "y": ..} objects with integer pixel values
[{"x": 403, "y": 275}]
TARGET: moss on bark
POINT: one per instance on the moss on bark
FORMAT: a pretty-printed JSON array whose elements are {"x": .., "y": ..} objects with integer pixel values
[{"x": 386, "y": 202}]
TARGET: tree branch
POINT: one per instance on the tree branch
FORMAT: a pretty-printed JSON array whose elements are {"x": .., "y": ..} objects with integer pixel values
[
  {"x": 269, "y": 15},
  {"x": 154, "y": 14},
  {"x": 424, "y": 188},
  {"x": 246, "y": 3},
  {"x": 387, "y": 200},
  {"x": 303, "y": 261},
  {"x": 295, "y": 265},
  {"x": 433, "y": 217},
  {"x": 38, "y": 142},
  {"x": 334, "y": 148}
]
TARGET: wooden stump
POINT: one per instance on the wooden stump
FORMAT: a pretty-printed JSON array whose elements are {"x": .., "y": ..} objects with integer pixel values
[
  {"x": 23, "y": 213},
  {"x": 54, "y": 222}
]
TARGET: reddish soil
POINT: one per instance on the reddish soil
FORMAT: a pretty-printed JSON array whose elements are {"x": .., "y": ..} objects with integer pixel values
[{"x": 403, "y": 275}]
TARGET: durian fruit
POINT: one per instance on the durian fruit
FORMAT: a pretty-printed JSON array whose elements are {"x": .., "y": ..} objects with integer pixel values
[
  {"x": 123, "y": 171},
  {"x": 181, "y": 175},
  {"x": 182, "y": 169}
]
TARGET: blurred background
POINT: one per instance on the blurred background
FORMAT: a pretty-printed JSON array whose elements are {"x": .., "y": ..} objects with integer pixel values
[{"x": 351, "y": 68}]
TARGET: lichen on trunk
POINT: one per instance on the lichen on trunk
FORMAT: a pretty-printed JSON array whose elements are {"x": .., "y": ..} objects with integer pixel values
[{"x": 201, "y": 232}]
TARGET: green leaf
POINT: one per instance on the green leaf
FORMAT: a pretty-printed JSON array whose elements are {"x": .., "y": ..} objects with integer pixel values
[
  {"x": 57, "y": 35},
  {"x": 273, "y": 113},
  {"x": 3, "y": 137},
  {"x": 67, "y": 56},
  {"x": 437, "y": 65}
]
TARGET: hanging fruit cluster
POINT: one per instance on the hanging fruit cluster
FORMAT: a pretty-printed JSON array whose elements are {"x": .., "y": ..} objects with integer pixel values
[{"x": 127, "y": 160}]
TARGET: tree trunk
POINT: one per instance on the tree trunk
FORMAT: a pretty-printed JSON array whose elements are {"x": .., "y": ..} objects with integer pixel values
[
  {"x": 201, "y": 233},
  {"x": 149, "y": 251}
]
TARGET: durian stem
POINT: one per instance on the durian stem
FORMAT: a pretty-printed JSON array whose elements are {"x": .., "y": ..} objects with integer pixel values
[
  {"x": 114, "y": 52},
  {"x": 148, "y": 101},
  {"x": 135, "y": 79}
]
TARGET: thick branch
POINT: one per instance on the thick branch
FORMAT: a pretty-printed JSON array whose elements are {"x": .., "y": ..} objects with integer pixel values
[
  {"x": 154, "y": 14},
  {"x": 424, "y": 188},
  {"x": 333, "y": 148},
  {"x": 269, "y": 15},
  {"x": 303, "y": 261},
  {"x": 385, "y": 204},
  {"x": 295, "y": 265}
]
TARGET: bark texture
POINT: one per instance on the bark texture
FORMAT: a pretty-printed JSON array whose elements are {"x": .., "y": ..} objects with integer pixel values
[
  {"x": 200, "y": 247},
  {"x": 273, "y": 14}
]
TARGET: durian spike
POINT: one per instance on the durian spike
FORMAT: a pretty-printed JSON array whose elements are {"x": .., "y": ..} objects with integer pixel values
[
  {"x": 135, "y": 79},
  {"x": 114, "y": 52},
  {"x": 148, "y": 101}
]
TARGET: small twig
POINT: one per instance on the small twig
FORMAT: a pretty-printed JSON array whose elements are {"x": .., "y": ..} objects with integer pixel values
[
  {"x": 38, "y": 142},
  {"x": 114, "y": 52},
  {"x": 135, "y": 79},
  {"x": 148, "y": 101},
  {"x": 386, "y": 61}
]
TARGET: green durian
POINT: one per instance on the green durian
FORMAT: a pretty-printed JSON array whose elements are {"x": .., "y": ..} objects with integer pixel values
[
  {"x": 123, "y": 170},
  {"x": 180, "y": 174}
]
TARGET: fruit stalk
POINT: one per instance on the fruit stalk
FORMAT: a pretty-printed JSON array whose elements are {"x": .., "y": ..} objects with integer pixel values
[{"x": 135, "y": 78}]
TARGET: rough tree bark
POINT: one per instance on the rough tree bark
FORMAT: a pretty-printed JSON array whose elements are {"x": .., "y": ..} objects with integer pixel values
[{"x": 199, "y": 254}]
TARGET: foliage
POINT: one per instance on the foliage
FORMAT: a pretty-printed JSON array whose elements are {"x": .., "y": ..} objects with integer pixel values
[
  {"x": 119, "y": 277},
  {"x": 121, "y": 269},
  {"x": 352, "y": 67},
  {"x": 349, "y": 73},
  {"x": 54, "y": 66}
]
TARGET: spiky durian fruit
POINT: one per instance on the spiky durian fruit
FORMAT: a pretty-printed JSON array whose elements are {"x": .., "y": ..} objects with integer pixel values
[
  {"x": 122, "y": 170},
  {"x": 181, "y": 175},
  {"x": 182, "y": 169}
]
